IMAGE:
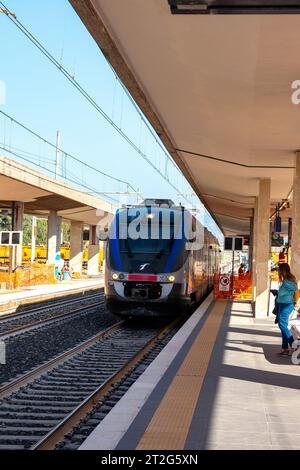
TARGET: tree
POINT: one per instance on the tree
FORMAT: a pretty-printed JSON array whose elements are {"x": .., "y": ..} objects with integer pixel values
[
  {"x": 5, "y": 222},
  {"x": 66, "y": 232},
  {"x": 27, "y": 227},
  {"x": 41, "y": 232}
]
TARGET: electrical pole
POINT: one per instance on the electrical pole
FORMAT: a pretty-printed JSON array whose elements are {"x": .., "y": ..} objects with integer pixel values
[{"x": 57, "y": 160}]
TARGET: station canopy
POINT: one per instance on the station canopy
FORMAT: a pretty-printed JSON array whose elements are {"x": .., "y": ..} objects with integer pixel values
[{"x": 217, "y": 87}]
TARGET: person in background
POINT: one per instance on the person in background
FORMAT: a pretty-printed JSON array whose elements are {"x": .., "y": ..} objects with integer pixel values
[
  {"x": 66, "y": 272},
  {"x": 241, "y": 270},
  {"x": 59, "y": 263},
  {"x": 61, "y": 267},
  {"x": 287, "y": 300},
  {"x": 281, "y": 256}
]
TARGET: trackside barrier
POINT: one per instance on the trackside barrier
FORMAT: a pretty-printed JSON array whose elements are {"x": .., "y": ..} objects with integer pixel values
[
  {"x": 227, "y": 286},
  {"x": 29, "y": 276}
]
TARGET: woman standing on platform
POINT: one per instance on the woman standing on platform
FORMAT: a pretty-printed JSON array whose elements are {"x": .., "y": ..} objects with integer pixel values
[{"x": 287, "y": 300}]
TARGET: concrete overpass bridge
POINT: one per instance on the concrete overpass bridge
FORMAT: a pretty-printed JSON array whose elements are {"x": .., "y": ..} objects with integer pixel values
[{"x": 25, "y": 190}]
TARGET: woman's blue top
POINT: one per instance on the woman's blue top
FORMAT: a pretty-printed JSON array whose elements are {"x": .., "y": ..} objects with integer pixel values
[{"x": 286, "y": 292}]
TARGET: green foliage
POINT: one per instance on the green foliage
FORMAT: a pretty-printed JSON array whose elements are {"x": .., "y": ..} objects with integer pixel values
[
  {"x": 66, "y": 232},
  {"x": 5, "y": 223},
  {"x": 41, "y": 229},
  {"x": 41, "y": 232},
  {"x": 27, "y": 223}
]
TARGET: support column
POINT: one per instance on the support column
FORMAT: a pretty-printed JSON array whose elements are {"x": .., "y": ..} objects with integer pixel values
[
  {"x": 254, "y": 248},
  {"x": 93, "y": 256},
  {"x": 76, "y": 247},
  {"x": 17, "y": 225},
  {"x": 290, "y": 229},
  {"x": 33, "y": 238},
  {"x": 295, "y": 259},
  {"x": 250, "y": 253},
  {"x": 262, "y": 248},
  {"x": 17, "y": 216},
  {"x": 54, "y": 236}
]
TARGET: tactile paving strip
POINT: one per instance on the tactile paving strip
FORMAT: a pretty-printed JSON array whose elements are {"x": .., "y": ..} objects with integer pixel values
[{"x": 170, "y": 424}]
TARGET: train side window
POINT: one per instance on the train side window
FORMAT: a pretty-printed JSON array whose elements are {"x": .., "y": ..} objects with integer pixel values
[{"x": 194, "y": 225}]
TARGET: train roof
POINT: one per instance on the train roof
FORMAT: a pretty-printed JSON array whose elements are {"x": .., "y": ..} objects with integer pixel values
[{"x": 162, "y": 205}]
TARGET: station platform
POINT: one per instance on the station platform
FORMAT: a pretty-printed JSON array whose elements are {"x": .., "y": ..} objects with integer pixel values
[
  {"x": 218, "y": 384},
  {"x": 10, "y": 301}
]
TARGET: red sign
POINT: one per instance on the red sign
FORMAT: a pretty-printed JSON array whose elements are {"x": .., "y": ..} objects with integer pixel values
[{"x": 141, "y": 277}]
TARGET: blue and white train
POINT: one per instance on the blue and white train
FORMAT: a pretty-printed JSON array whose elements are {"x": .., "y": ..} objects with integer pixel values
[{"x": 159, "y": 260}]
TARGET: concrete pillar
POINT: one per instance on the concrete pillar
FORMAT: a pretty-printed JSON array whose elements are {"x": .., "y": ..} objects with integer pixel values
[
  {"x": 17, "y": 225},
  {"x": 254, "y": 247},
  {"x": 33, "y": 238},
  {"x": 290, "y": 230},
  {"x": 54, "y": 236},
  {"x": 295, "y": 259},
  {"x": 262, "y": 248},
  {"x": 250, "y": 253},
  {"x": 76, "y": 246},
  {"x": 93, "y": 252},
  {"x": 17, "y": 216}
]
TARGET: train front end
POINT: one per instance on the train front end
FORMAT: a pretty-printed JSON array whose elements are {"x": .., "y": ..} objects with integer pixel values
[{"x": 145, "y": 267}]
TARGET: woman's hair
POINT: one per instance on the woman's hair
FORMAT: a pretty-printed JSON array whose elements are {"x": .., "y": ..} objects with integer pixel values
[{"x": 285, "y": 273}]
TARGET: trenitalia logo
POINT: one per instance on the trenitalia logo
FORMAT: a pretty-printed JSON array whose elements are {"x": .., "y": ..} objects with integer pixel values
[
  {"x": 142, "y": 267},
  {"x": 2, "y": 92}
]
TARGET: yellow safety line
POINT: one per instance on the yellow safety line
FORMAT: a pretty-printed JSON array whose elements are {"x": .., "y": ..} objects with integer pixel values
[{"x": 170, "y": 424}]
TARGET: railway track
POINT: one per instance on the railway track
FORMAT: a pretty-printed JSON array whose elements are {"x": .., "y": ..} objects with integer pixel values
[
  {"x": 40, "y": 408},
  {"x": 79, "y": 433},
  {"x": 15, "y": 323}
]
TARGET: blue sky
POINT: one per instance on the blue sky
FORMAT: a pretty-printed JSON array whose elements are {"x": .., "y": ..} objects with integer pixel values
[{"x": 40, "y": 97}]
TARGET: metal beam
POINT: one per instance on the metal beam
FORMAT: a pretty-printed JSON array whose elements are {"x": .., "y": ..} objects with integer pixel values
[{"x": 234, "y": 7}]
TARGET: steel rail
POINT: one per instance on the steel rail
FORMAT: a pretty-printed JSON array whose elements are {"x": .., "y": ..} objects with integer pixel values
[
  {"x": 12, "y": 316},
  {"x": 28, "y": 327},
  {"x": 66, "y": 425},
  {"x": 38, "y": 371}
]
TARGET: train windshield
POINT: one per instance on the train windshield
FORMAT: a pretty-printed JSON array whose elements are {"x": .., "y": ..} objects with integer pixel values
[
  {"x": 149, "y": 239},
  {"x": 145, "y": 246}
]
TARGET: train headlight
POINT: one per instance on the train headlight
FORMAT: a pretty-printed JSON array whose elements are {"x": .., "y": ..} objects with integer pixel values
[
  {"x": 115, "y": 276},
  {"x": 171, "y": 278}
]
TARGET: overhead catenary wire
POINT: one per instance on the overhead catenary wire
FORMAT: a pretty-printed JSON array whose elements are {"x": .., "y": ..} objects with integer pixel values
[
  {"x": 88, "y": 97},
  {"x": 51, "y": 144},
  {"x": 89, "y": 188},
  {"x": 157, "y": 140},
  {"x": 33, "y": 156}
]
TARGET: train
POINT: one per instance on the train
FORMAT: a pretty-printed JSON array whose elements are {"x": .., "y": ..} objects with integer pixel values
[{"x": 162, "y": 268}]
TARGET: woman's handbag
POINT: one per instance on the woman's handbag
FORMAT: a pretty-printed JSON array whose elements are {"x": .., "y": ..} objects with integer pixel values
[{"x": 275, "y": 309}]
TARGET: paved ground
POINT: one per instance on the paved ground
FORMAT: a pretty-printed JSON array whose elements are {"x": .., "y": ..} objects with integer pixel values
[
  {"x": 50, "y": 290},
  {"x": 218, "y": 384},
  {"x": 252, "y": 396}
]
